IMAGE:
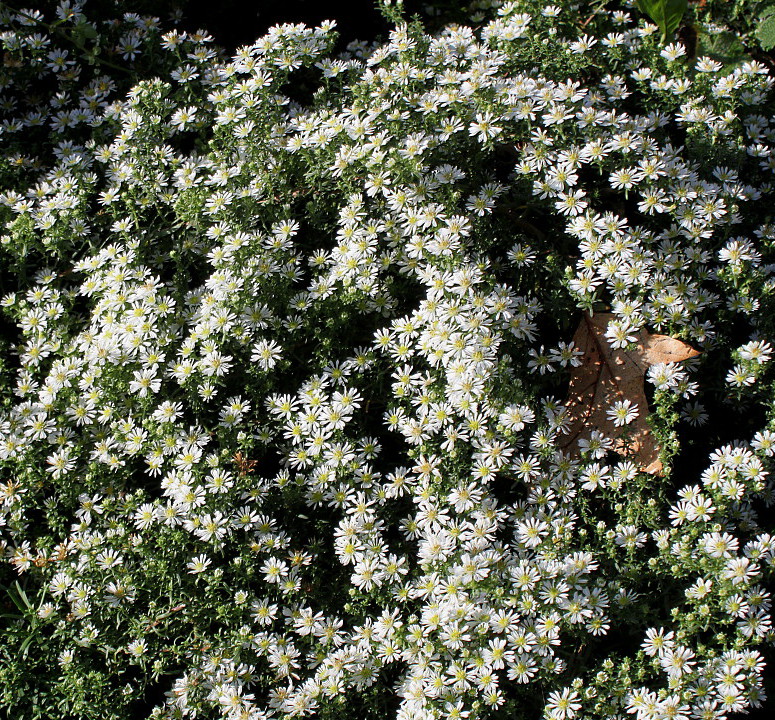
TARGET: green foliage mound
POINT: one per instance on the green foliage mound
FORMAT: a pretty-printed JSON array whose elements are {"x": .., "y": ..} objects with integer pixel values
[{"x": 285, "y": 356}]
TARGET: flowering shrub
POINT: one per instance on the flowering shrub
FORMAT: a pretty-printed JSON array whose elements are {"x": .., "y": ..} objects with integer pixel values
[{"x": 282, "y": 418}]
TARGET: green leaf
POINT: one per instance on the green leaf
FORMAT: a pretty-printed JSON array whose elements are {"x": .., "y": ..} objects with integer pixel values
[
  {"x": 767, "y": 11},
  {"x": 15, "y": 598},
  {"x": 666, "y": 14},
  {"x": 23, "y": 596},
  {"x": 765, "y": 31},
  {"x": 84, "y": 31},
  {"x": 25, "y": 646},
  {"x": 725, "y": 47}
]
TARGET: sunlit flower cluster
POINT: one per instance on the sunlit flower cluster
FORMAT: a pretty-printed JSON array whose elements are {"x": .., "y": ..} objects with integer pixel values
[{"x": 286, "y": 424}]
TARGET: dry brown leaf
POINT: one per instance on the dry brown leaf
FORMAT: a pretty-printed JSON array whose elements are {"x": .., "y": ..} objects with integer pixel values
[{"x": 606, "y": 376}]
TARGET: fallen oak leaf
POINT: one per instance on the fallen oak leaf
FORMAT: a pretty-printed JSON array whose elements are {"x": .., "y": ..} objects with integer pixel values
[{"x": 606, "y": 376}]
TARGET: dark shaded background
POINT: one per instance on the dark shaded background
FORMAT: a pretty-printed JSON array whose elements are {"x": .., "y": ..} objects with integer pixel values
[{"x": 234, "y": 23}]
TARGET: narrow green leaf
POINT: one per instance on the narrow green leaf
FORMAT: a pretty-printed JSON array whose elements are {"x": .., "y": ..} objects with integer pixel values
[
  {"x": 25, "y": 646},
  {"x": 23, "y": 596},
  {"x": 17, "y": 601}
]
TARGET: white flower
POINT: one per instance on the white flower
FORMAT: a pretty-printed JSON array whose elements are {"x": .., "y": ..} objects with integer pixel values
[
  {"x": 665, "y": 375},
  {"x": 719, "y": 545},
  {"x": 623, "y": 412},
  {"x": 740, "y": 376},
  {"x": 167, "y": 412},
  {"x": 673, "y": 51},
  {"x": 137, "y": 648},
  {"x": 60, "y": 463},
  {"x": 144, "y": 381},
  {"x": 483, "y": 127},
  {"x": 571, "y": 203},
  {"x": 757, "y": 350},
  {"x": 145, "y": 516},
  {"x": 46, "y": 610},
  {"x": 584, "y": 43},
  {"x": 198, "y": 564},
  {"x": 274, "y": 570},
  {"x": 563, "y": 705},
  {"x": 677, "y": 661},
  {"x": 627, "y": 536},
  {"x": 624, "y": 178},
  {"x": 183, "y": 117},
  {"x": 266, "y": 353},
  {"x": 765, "y": 442},
  {"x": 620, "y": 334}
]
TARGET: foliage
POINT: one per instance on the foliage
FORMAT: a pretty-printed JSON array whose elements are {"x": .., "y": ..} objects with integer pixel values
[
  {"x": 765, "y": 31},
  {"x": 667, "y": 14},
  {"x": 286, "y": 338}
]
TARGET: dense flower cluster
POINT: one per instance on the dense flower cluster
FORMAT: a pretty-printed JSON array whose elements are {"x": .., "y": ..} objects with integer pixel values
[{"x": 286, "y": 421}]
